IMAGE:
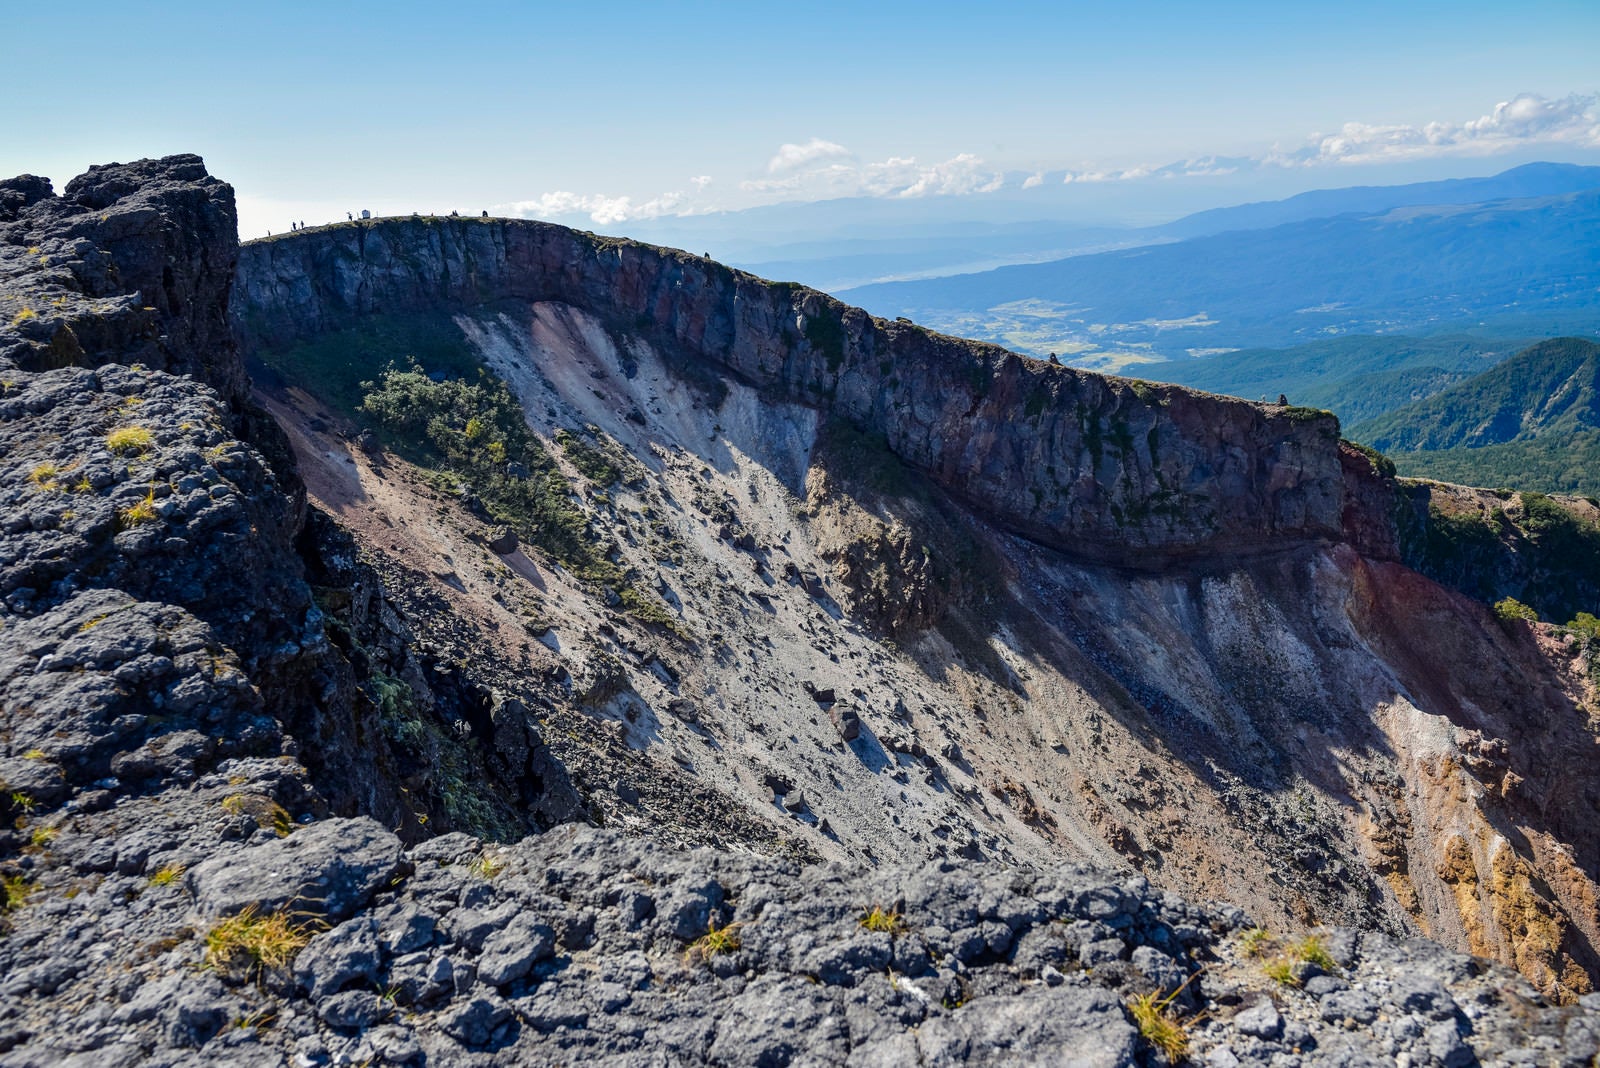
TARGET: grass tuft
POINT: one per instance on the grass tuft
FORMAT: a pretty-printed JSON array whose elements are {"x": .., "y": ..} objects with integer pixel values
[
  {"x": 130, "y": 439},
  {"x": 885, "y": 921},
  {"x": 14, "y": 891},
  {"x": 1282, "y": 967},
  {"x": 489, "y": 865},
  {"x": 44, "y": 476},
  {"x": 1255, "y": 941},
  {"x": 167, "y": 874},
  {"x": 136, "y": 515},
  {"x": 252, "y": 942},
  {"x": 715, "y": 942},
  {"x": 265, "y": 811},
  {"x": 1157, "y": 1025},
  {"x": 1281, "y": 971},
  {"x": 1311, "y": 950}
]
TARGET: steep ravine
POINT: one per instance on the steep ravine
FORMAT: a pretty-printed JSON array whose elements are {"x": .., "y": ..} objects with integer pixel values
[{"x": 255, "y": 663}]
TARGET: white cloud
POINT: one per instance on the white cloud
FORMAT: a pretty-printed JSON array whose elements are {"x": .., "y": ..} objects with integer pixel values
[
  {"x": 1526, "y": 120},
  {"x": 599, "y": 208},
  {"x": 963, "y": 175},
  {"x": 895, "y": 177},
  {"x": 819, "y": 169},
  {"x": 798, "y": 157}
]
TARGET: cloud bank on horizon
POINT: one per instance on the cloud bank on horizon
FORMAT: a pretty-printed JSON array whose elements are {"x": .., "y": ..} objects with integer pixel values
[{"x": 819, "y": 169}]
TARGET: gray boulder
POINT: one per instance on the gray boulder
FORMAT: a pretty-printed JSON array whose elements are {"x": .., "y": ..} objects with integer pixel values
[
  {"x": 1062, "y": 1026},
  {"x": 325, "y": 870}
]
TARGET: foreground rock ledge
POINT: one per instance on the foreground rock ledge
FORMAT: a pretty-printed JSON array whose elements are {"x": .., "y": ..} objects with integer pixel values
[{"x": 583, "y": 945}]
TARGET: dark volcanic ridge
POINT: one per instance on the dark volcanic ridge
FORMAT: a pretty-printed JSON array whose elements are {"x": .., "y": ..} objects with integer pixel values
[{"x": 721, "y": 562}]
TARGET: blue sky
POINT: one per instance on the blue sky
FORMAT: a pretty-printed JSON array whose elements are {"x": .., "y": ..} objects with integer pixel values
[{"x": 314, "y": 108}]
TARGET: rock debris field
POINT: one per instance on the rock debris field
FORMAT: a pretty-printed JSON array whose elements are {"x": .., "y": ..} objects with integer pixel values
[{"x": 582, "y": 946}]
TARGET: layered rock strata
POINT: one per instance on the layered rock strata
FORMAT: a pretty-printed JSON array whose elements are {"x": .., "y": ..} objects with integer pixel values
[{"x": 1107, "y": 468}]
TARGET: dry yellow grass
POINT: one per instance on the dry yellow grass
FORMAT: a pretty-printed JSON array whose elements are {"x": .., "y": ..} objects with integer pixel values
[
  {"x": 138, "y": 514},
  {"x": 167, "y": 874},
  {"x": 1157, "y": 1026},
  {"x": 126, "y": 439},
  {"x": 253, "y": 942}
]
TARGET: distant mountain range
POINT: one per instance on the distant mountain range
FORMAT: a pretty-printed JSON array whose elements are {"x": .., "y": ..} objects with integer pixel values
[
  {"x": 1531, "y": 421},
  {"x": 1424, "y": 260},
  {"x": 1519, "y": 183},
  {"x": 838, "y": 244}
]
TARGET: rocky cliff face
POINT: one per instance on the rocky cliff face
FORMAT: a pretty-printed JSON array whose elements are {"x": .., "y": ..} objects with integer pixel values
[
  {"x": 209, "y": 689},
  {"x": 142, "y": 484},
  {"x": 132, "y": 263},
  {"x": 1318, "y": 732},
  {"x": 1126, "y": 471}
]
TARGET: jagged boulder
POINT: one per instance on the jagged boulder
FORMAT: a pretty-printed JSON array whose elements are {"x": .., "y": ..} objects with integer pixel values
[
  {"x": 327, "y": 870},
  {"x": 133, "y": 263}
]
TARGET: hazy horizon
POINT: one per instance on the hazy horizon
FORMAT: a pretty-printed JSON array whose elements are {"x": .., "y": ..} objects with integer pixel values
[{"x": 620, "y": 117}]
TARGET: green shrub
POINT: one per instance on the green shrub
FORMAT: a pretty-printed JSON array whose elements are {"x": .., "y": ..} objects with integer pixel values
[
  {"x": 1585, "y": 626},
  {"x": 397, "y": 711},
  {"x": 591, "y": 462},
  {"x": 452, "y": 425},
  {"x": 470, "y": 431},
  {"x": 334, "y": 365},
  {"x": 1509, "y": 609},
  {"x": 825, "y": 332},
  {"x": 1381, "y": 464}
]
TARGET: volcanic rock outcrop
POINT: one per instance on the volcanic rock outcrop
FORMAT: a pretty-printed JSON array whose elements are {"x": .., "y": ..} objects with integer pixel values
[
  {"x": 140, "y": 465},
  {"x": 253, "y": 670}
]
